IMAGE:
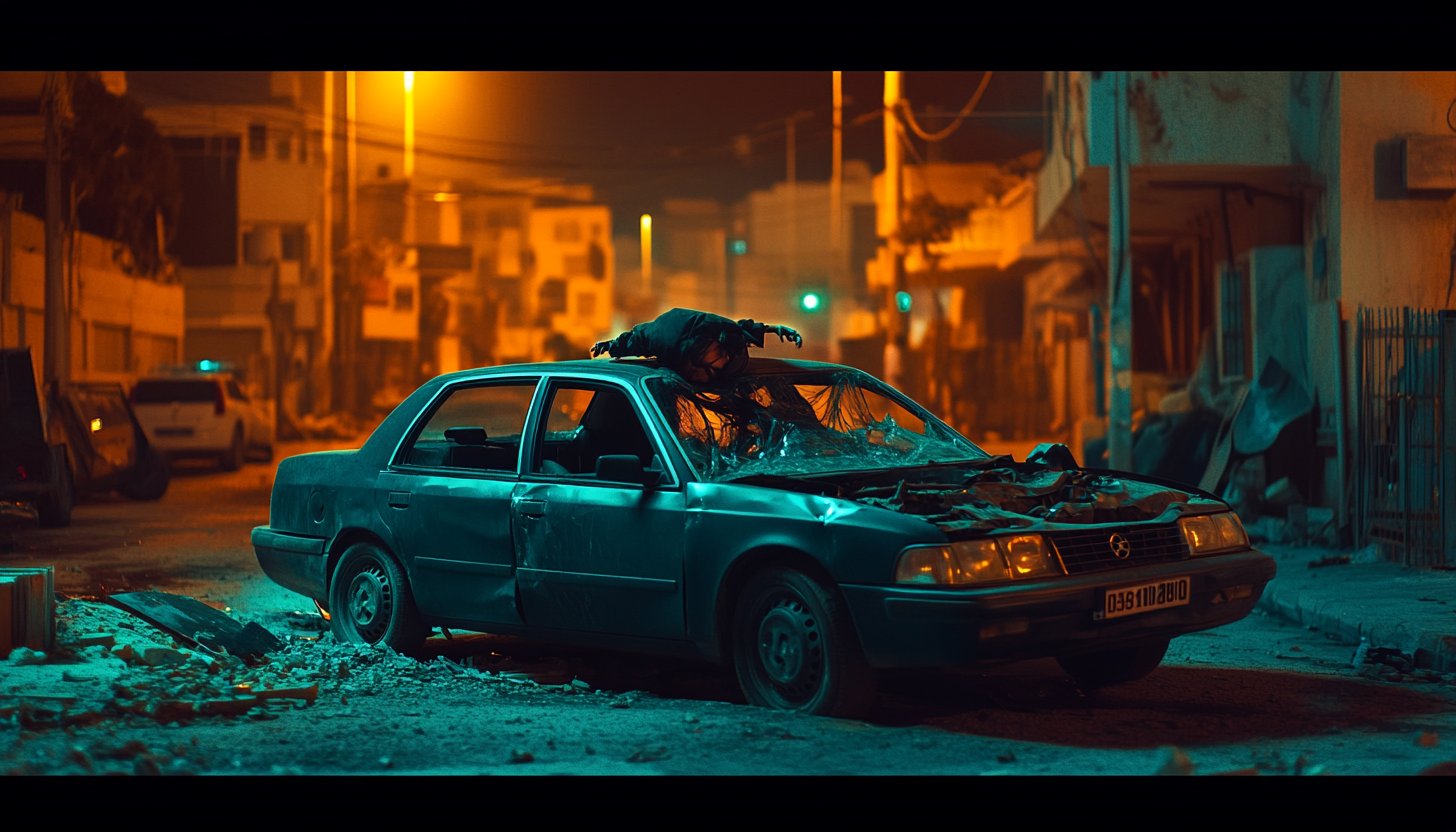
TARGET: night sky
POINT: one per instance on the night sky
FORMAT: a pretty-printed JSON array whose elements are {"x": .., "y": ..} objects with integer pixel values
[{"x": 642, "y": 137}]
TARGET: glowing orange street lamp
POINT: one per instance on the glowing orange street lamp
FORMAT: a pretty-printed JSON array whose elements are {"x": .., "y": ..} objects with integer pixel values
[{"x": 646, "y": 253}]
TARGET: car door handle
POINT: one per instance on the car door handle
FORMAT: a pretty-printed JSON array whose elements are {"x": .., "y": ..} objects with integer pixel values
[
  {"x": 532, "y": 508},
  {"x": 399, "y": 499}
]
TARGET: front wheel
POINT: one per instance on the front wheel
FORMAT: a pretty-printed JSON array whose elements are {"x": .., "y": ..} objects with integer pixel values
[
  {"x": 796, "y": 649},
  {"x": 1113, "y": 667},
  {"x": 371, "y": 602}
]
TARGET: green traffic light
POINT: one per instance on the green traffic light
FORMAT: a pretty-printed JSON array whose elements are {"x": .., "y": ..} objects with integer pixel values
[
  {"x": 810, "y": 301},
  {"x": 902, "y": 301}
]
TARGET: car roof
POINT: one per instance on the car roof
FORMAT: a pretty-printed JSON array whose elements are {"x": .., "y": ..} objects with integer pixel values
[{"x": 635, "y": 368}]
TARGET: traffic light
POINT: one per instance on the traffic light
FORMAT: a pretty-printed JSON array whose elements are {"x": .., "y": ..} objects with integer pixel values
[
  {"x": 811, "y": 301},
  {"x": 902, "y": 301}
]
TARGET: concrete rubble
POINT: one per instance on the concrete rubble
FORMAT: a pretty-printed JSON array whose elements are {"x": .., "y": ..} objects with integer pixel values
[{"x": 109, "y": 666}]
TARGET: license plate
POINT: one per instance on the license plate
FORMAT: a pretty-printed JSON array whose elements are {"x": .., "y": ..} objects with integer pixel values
[{"x": 1131, "y": 600}]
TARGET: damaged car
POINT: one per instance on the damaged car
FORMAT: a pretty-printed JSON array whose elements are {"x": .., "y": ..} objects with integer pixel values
[{"x": 802, "y": 522}]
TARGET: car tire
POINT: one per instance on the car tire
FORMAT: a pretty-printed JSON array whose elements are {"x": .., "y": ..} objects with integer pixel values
[
  {"x": 371, "y": 601},
  {"x": 796, "y": 649},
  {"x": 54, "y": 507},
  {"x": 1113, "y": 667},
  {"x": 234, "y": 457},
  {"x": 265, "y": 453},
  {"x": 149, "y": 479}
]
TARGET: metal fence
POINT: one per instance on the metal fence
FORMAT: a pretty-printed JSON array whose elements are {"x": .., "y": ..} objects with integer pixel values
[{"x": 1407, "y": 454}]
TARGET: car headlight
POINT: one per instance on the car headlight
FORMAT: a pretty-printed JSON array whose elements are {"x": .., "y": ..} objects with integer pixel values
[
  {"x": 978, "y": 561},
  {"x": 1209, "y": 534}
]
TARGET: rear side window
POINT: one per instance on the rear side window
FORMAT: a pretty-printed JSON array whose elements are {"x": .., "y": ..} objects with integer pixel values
[
  {"x": 166, "y": 391},
  {"x": 475, "y": 428}
]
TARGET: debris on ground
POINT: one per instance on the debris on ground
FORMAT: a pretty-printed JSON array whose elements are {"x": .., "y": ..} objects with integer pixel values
[
  {"x": 1330, "y": 560},
  {"x": 111, "y": 665},
  {"x": 1389, "y": 664},
  {"x": 198, "y": 623}
]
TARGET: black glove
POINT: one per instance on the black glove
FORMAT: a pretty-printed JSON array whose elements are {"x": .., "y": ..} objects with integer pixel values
[
  {"x": 786, "y": 334},
  {"x": 600, "y": 347}
]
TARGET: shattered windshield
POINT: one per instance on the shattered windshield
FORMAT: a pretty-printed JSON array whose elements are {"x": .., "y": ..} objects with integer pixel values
[{"x": 798, "y": 424}]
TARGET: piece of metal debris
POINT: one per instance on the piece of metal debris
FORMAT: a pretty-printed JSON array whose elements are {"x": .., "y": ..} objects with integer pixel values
[{"x": 198, "y": 623}]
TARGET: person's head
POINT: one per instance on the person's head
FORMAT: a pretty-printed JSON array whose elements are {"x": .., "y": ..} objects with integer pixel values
[{"x": 705, "y": 363}]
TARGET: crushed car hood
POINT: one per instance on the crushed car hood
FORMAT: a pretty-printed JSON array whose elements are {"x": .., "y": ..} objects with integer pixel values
[{"x": 1000, "y": 493}]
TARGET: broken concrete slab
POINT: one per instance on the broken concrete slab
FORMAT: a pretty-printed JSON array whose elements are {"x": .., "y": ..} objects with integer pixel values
[{"x": 198, "y": 623}]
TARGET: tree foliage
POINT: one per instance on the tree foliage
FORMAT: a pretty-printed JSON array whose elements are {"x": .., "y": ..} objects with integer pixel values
[{"x": 122, "y": 171}]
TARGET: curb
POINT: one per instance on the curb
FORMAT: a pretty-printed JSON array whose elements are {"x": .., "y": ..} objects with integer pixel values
[{"x": 1431, "y": 649}]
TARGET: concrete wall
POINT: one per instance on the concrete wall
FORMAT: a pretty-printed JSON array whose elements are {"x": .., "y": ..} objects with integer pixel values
[
  {"x": 121, "y": 325},
  {"x": 1395, "y": 247}
]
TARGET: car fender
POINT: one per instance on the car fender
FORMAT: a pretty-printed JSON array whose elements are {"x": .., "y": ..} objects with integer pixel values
[
  {"x": 733, "y": 529},
  {"x": 329, "y": 495}
]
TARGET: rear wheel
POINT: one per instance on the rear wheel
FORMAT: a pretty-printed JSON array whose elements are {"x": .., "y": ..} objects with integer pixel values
[
  {"x": 150, "y": 478},
  {"x": 54, "y": 507},
  {"x": 233, "y": 457},
  {"x": 796, "y": 649},
  {"x": 371, "y": 602},
  {"x": 1113, "y": 667}
]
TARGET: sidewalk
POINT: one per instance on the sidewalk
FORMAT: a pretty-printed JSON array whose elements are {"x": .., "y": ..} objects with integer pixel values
[{"x": 1413, "y": 610}]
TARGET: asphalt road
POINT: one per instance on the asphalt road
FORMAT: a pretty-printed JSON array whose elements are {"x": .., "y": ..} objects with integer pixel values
[{"x": 1261, "y": 695}]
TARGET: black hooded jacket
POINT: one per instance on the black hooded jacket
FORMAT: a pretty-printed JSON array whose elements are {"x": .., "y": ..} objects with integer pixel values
[{"x": 677, "y": 334}]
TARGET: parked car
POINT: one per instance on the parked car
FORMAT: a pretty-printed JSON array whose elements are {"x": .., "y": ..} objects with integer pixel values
[
  {"x": 201, "y": 413},
  {"x": 35, "y": 472},
  {"x": 85, "y": 439},
  {"x": 805, "y": 523}
]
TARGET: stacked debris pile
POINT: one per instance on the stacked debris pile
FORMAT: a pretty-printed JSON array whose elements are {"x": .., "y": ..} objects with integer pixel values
[{"x": 1388, "y": 664}]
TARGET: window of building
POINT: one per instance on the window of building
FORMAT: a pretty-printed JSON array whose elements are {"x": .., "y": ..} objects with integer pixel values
[
  {"x": 586, "y": 305},
  {"x": 568, "y": 231},
  {"x": 502, "y": 218},
  {"x": 404, "y": 298},
  {"x": 112, "y": 348},
  {"x": 553, "y": 298},
  {"x": 1232, "y": 328},
  {"x": 283, "y": 146},
  {"x": 303, "y": 143},
  {"x": 258, "y": 141},
  {"x": 293, "y": 242}
]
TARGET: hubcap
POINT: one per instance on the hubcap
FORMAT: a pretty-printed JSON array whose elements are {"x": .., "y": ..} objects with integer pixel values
[
  {"x": 790, "y": 651},
  {"x": 370, "y": 604}
]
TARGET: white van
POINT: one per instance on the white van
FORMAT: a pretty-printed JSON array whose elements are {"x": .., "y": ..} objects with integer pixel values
[{"x": 203, "y": 415}]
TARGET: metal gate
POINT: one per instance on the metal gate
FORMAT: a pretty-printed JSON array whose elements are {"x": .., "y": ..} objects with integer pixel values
[{"x": 1407, "y": 454}]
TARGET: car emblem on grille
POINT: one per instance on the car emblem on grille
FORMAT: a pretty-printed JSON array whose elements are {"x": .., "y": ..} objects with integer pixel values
[{"x": 1120, "y": 547}]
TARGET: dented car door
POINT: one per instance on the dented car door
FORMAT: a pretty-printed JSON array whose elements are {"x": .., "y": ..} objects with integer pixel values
[
  {"x": 592, "y": 554},
  {"x": 447, "y": 500}
]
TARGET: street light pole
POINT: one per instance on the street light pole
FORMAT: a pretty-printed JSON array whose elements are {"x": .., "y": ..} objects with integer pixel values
[
  {"x": 836, "y": 174},
  {"x": 646, "y": 254},
  {"x": 409, "y": 158}
]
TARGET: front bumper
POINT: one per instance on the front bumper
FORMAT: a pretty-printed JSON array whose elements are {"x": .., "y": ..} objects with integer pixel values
[
  {"x": 293, "y": 561},
  {"x": 905, "y": 627}
]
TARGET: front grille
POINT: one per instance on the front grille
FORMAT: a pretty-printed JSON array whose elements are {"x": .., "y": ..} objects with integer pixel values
[{"x": 1092, "y": 551}]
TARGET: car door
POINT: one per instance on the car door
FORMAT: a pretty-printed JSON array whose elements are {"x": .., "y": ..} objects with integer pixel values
[
  {"x": 447, "y": 498},
  {"x": 595, "y": 555}
]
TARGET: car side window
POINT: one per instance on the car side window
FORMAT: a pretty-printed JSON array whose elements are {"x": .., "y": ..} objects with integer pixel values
[
  {"x": 474, "y": 428},
  {"x": 586, "y": 422}
]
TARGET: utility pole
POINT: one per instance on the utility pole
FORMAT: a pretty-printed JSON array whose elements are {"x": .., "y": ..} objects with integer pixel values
[
  {"x": 1119, "y": 317},
  {"x": 409, "y": 158},
  {"x": 57, "y": 365},
  {"x": 327, "y": 233},
  {"x": 899, "y": 342},
  {"x": 836, "y": 173},
  {"x": 350, "y": 317}
]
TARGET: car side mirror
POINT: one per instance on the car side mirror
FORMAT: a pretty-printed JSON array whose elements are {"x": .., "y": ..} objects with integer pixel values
[{"x": 619, "y": 468}]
